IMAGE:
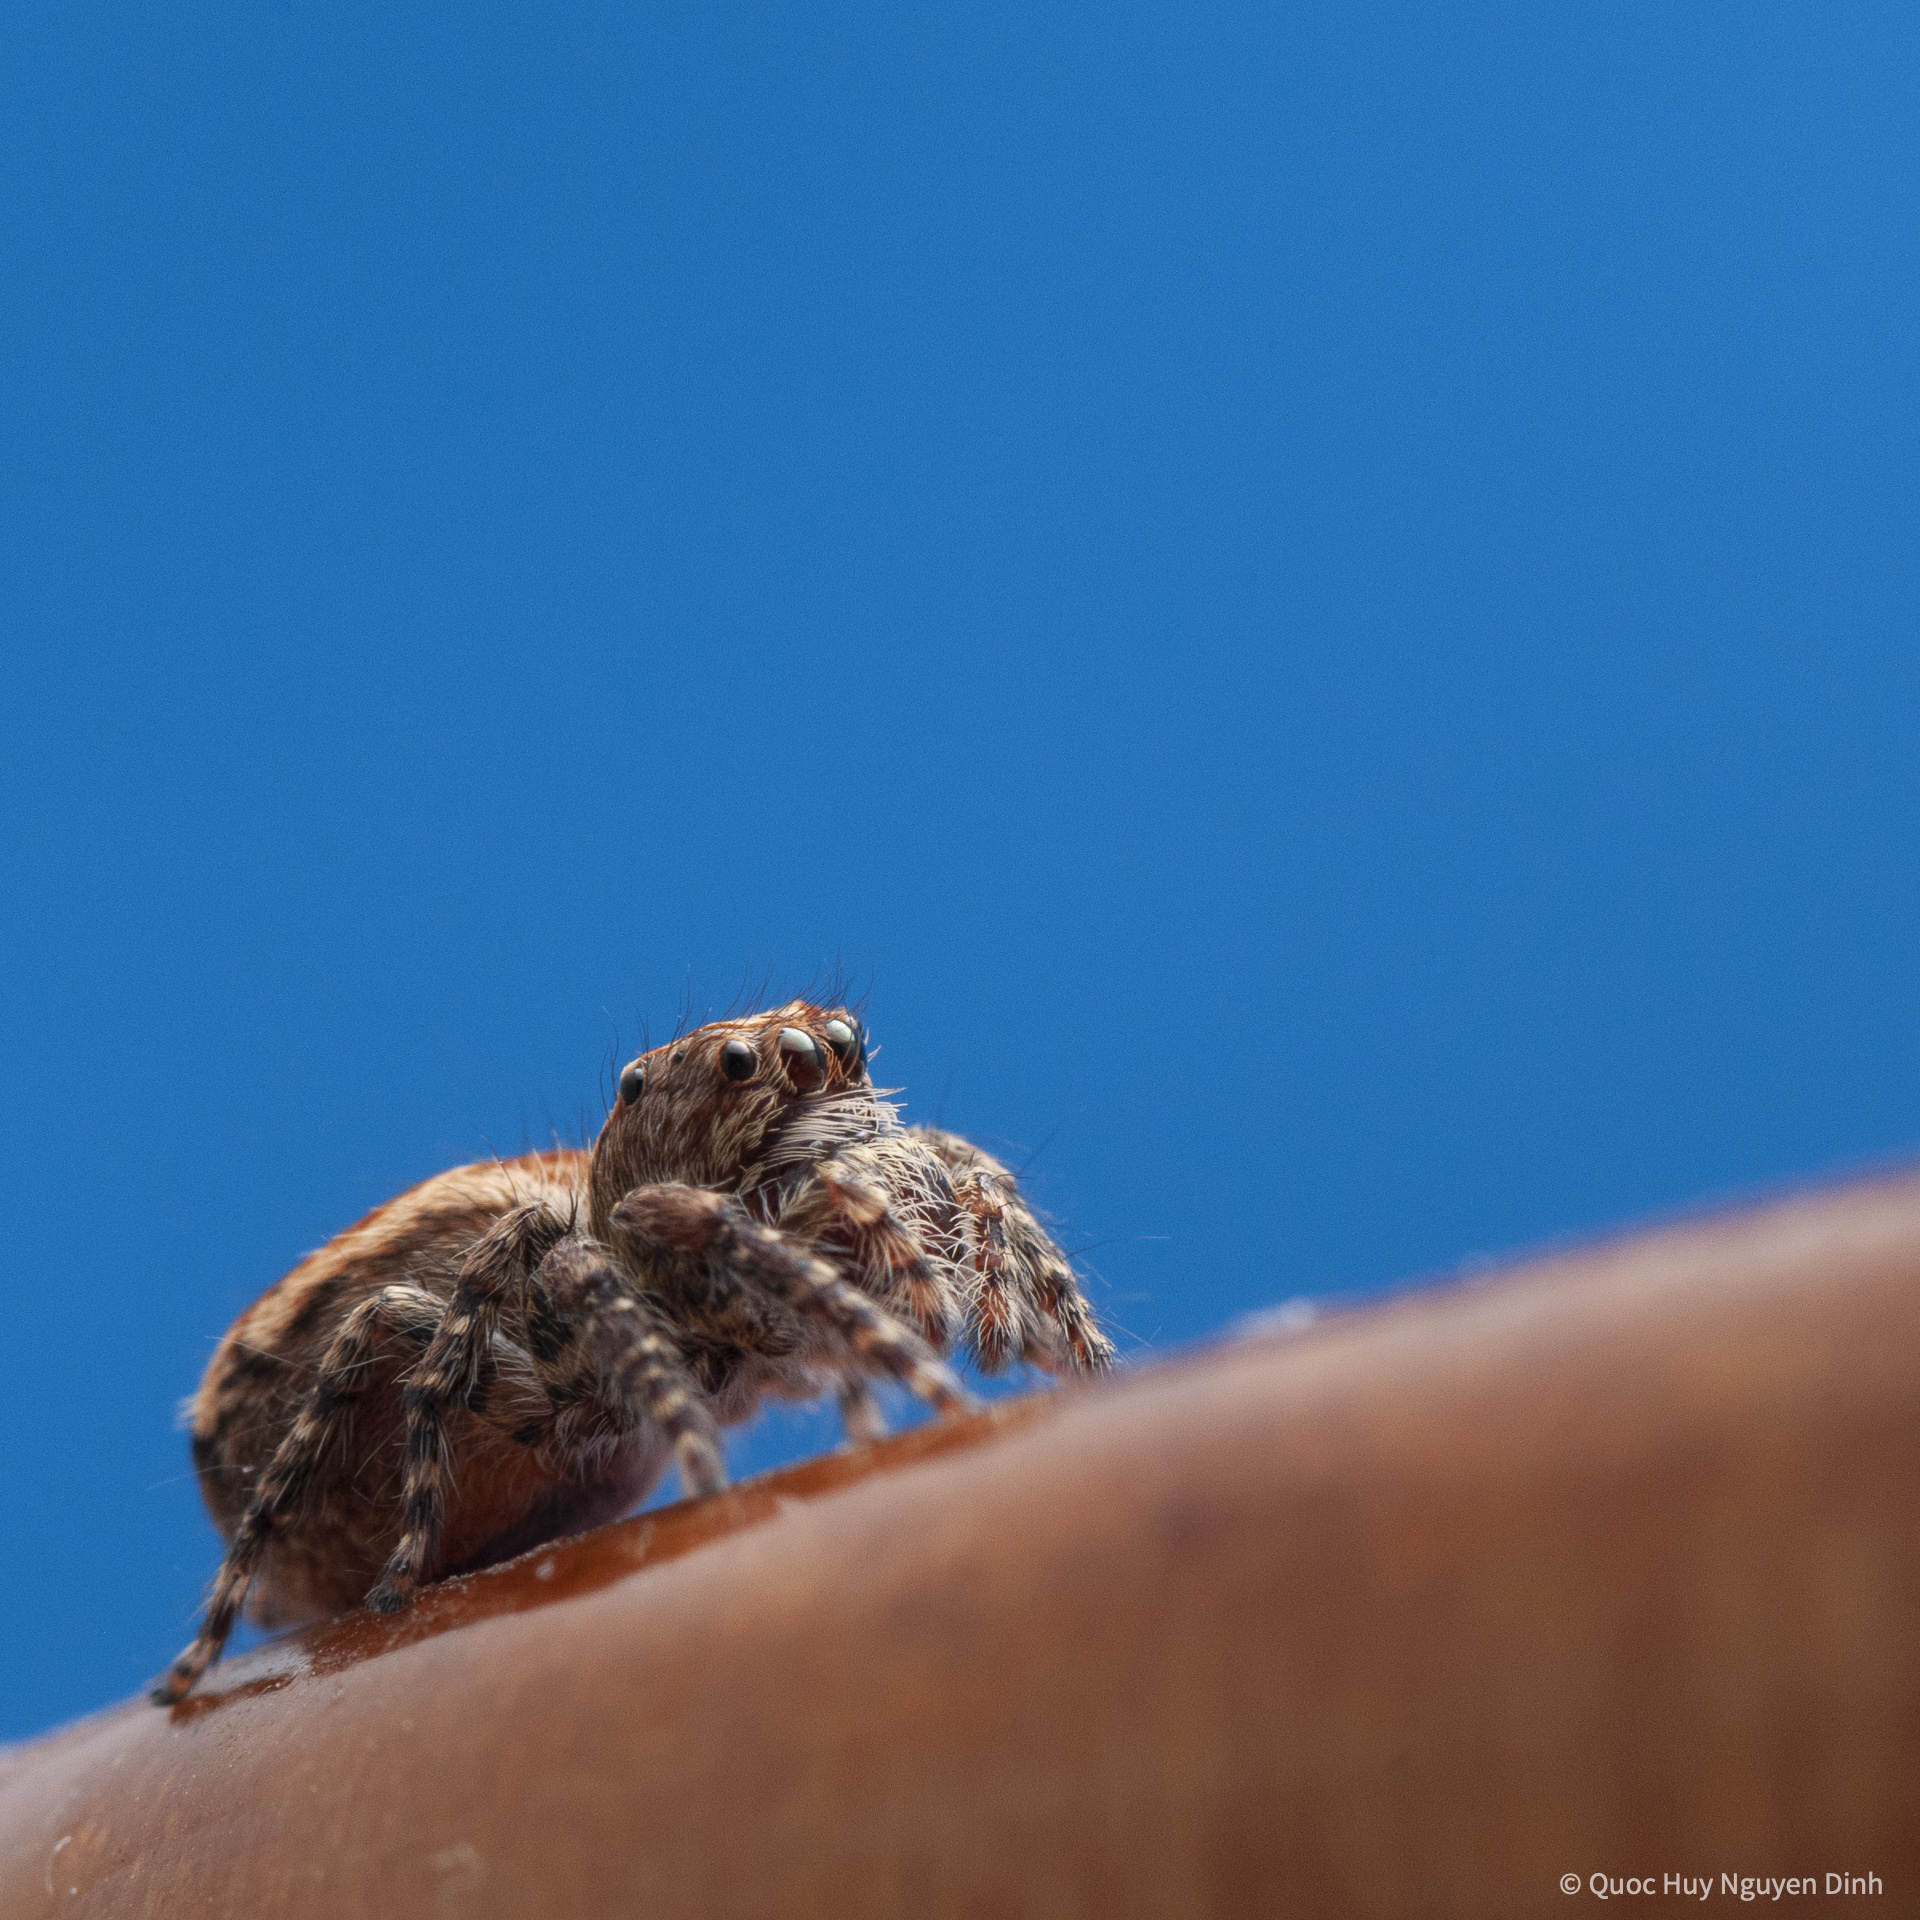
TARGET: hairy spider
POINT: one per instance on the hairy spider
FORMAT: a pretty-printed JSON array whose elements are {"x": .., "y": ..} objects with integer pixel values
[{"x": 510, "y": 1351}]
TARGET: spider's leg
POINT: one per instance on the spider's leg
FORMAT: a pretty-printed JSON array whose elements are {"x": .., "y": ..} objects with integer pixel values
[
  {"x": 886, "y": 1247},
  {"x": 1003, "y": 1327},
  {"x": 674, "y": 1219},
  {"x": 323, "y": 1415},
  {"x": 1029, "y": 1248},
  {"x": 449, "y": 1370},
  {"x": 860, "y": 1415},
  {"x": 589, "y": 1336},
  {"x": 1029, "y": 1303}
]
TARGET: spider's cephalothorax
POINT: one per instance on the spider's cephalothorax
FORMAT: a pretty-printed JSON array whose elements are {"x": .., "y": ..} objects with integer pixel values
[{"x": 511, "y": 1351}]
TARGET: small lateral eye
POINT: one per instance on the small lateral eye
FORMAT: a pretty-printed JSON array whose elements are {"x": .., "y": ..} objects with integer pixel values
[
  {"x": 844, "y": 1041},
  {"x": 738, "y": 1060},
  {"x": 633, "y": 1076}
]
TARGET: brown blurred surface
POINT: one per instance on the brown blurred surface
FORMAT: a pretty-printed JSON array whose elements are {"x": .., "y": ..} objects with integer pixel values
[{"x": 1611, "y": 1564}]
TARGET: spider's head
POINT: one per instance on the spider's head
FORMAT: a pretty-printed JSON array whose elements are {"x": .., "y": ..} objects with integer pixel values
[{"x": 731, "y": 1104}]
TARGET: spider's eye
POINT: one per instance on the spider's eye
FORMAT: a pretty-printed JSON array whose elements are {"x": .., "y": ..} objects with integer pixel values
[
  {"x": 844, "y": 1040},
  {"x": 738, "y": 1060},
  {"x": 803, "y": 1058},
  {"x": 633, "y": 1076}
]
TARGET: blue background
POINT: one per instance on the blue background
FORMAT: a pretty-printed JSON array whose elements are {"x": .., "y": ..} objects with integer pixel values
[{"x": 1320, "y": 603}]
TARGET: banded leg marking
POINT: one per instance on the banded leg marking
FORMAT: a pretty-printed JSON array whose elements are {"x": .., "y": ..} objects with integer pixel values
[
  {"x": 697, "y": 1221},
  {"x": 627, "y": 1344},
  {"x": 322, "y": 1417},
  {"x": 928, "y": 1306},
  {"x": 1000, "y": 1329},
  {"x": 447, "y": 1376}
]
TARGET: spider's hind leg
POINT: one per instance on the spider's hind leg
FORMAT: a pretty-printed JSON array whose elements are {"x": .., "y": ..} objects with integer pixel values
[{"x": 321, "y": 1421}]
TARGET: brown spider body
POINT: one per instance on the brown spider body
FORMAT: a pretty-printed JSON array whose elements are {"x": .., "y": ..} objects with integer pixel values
[{"x": 513, "y": 1351}]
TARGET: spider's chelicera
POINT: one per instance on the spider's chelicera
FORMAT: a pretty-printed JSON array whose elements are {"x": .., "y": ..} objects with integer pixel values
[{"x": 511, "y": 1351}]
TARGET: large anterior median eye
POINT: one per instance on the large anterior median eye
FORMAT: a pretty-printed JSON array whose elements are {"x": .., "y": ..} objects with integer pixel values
[
  {"x": 738, "y": 1060},
  {"x": 802, "y": 1054},
  {"x": 844, "y": 1040},
  {"x": 633, "y": 1076}
]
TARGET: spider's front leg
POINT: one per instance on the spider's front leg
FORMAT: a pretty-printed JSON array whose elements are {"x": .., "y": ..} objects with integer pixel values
[
  {"x": 323, "y": 1414},
  {"x": 849, "y": 1197},
  {"x": 1029, "y": 1305},
  {"x": 671, "y": 1219},
  {"x": 500, "y": 1263},
  {"x": 848, "y": 1202}
]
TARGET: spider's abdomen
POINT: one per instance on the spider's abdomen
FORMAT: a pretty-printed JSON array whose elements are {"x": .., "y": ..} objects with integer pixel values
[{"x": 404, "y": 1258}]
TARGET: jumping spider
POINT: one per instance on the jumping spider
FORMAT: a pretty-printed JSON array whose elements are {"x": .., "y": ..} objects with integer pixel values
[{"x": 510, "y": 1351}]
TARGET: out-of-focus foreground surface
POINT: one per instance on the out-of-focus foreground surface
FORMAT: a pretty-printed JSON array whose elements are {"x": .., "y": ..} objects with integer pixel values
[{"x": 1611, "y": 1565}]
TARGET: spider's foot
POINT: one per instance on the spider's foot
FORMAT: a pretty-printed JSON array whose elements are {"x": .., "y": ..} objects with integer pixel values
[
  {"x": 177, "y": 1682},
  {"x": 701, "y": 1470},
  {"x": 940, "y": 1387}
]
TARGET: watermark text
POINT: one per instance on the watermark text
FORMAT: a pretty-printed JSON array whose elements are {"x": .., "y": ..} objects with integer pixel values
[{"x": 1728, "y": 1886}]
